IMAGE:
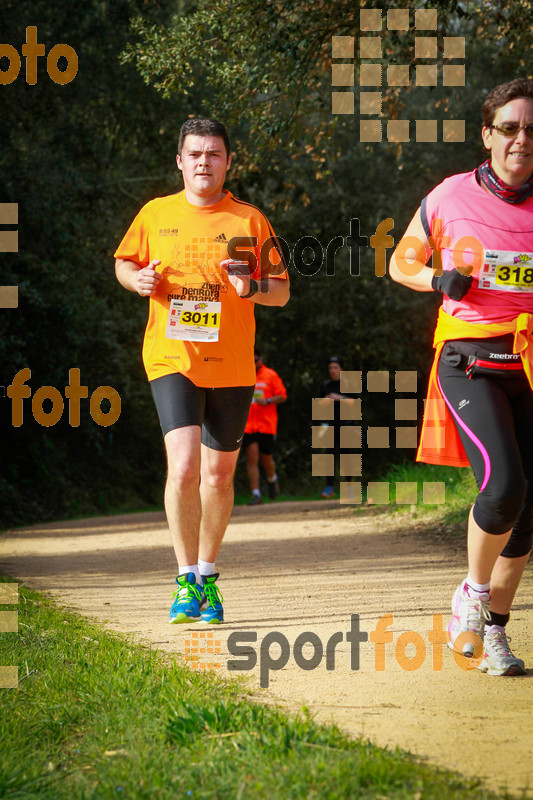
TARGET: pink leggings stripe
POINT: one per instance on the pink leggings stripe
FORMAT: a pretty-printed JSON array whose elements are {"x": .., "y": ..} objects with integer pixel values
[{"x": 471, "y": 435}]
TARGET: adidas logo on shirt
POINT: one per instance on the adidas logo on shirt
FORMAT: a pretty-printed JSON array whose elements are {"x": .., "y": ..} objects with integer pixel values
[{"x": 220, "y": 238}]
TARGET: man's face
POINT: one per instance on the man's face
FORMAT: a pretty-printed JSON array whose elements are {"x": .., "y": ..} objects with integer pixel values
[
  {"x": 334, "y": 371},
  {"x": 511, "y": 158},
  {"x": 204, "y": 163},
  {"x": 258, "y": 361}
]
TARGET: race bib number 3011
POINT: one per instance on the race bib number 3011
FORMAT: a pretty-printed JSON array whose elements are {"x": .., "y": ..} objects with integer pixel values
[
  {"x": 193, "y": 321},
  {"x": 507, "y": 271}
]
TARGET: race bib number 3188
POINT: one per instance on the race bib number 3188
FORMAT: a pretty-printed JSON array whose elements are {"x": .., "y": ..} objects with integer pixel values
[
  {"x": 507, "y": 271},
  {"x": 193, "y": 321}
]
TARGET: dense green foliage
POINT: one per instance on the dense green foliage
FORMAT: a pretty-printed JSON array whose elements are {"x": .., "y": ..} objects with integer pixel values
[
  {"x": 80, "y": 160},
  {"x": 96, "y": 717}
]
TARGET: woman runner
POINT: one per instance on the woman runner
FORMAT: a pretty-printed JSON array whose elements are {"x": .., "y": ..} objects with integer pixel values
[{"x": 479, "y": 227}]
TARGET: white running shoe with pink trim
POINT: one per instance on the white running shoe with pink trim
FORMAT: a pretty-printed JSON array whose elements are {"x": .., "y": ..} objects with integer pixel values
[
  {"x": 498, "y": 658},
  {"x": 470, "y": 611}
]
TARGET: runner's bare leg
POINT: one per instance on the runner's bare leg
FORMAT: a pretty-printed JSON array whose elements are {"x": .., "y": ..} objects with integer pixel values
[
  {"x": 267, "y": 462},
  {"x": 504, "y": 582},
  {"x": 216, "y": 489},
  {"x": 252, "y": 465},
  {"x": 485, "y": 564},
  {"x": 182, "y": 491},
  {"x": 483, "y": 550}
]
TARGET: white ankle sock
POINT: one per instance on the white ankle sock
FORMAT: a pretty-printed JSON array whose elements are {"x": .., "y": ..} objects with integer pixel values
[
  {"x": 191, "y": 568},
  {"x": 273, "y": 479},
  {"x": 206, "y": 567},
  {"x": 477, "y": 587},
  {"x": 256, "y": 493}
]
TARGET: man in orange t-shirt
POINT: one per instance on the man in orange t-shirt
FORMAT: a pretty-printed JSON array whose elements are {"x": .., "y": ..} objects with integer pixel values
[
  {"x": 204, "y": 258},
  {"x": 261, "y": 429}
]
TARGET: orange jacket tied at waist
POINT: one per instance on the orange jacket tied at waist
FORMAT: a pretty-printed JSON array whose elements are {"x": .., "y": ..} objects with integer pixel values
[{"x": 439, "y": 441}]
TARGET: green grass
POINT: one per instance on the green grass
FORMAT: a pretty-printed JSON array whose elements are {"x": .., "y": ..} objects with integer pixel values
[
  {"x": 95, "y": 716},
  {"x": 460, "y": 493}
]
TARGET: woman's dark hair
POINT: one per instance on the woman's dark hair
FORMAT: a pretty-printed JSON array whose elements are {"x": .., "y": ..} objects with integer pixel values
[{"x": 503, "y": 94}]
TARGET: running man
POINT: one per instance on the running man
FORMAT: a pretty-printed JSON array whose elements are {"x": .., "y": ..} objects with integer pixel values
[
  {"x": 204, "y": 258},
  {"x": 480, "y": 225},
  {"x": 261, "y": 429}
]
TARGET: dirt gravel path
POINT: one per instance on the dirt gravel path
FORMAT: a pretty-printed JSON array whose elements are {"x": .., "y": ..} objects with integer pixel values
[{"x": 308, "y": 567}]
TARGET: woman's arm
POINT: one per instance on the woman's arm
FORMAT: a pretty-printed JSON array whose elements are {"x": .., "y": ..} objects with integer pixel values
[{"x": 408, "y": 264}]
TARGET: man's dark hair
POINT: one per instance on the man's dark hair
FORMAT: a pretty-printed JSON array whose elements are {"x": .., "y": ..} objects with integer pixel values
[
  {"x": 503, "y": 94},
  {"x": 203, "y": 126},
  {"x": 335, "y": 360}
]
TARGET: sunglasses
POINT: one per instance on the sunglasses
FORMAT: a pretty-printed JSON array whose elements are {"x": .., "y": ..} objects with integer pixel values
[{"x": 511, "y": 129}]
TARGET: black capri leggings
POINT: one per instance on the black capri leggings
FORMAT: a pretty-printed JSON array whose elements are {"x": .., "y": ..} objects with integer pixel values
[{"x": 494, "y": 418}]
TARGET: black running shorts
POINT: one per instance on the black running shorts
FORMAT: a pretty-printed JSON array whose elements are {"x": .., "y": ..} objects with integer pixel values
[
  {"x": 221, "y": 413},
  {"x": 264, "y": 440}
]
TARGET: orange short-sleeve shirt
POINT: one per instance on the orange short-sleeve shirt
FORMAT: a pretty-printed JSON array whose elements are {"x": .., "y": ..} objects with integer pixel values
[
  {"x": 264, "y": 419},
  {"x": 195, "y": 298}
]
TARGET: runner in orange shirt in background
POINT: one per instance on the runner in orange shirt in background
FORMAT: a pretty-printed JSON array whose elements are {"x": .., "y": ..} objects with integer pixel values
[
  {"x": 204, "y": 258},
  {"x": 261, "y": 429}
]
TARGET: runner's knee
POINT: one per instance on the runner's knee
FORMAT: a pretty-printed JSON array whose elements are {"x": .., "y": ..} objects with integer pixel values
[
  {"x": 183, "y": 472},
  {"x": 219, "y": 480},
  {"x": 219, "y": 474},
  {"x": 519, "y": 544},
  {"x": 521, "y": 539},
  {"x": 497, "y": 509}
]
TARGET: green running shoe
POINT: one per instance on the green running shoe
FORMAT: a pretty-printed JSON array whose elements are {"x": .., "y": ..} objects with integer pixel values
[
  {"x": 214, "y": 613},
  {"x": 189, "y": 597}
]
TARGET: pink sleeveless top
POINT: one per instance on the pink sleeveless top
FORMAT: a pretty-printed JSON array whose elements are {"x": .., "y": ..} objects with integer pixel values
[{"x": 496, "y": 237}]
